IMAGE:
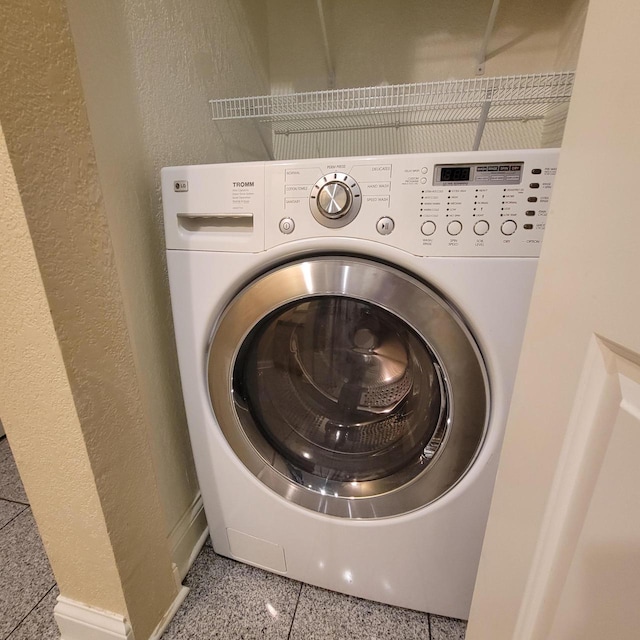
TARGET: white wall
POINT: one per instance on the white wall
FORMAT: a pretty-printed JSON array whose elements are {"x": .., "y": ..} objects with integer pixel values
[
  {"x": 377, "y": 41},
  {"x": 374, "y": 42}
]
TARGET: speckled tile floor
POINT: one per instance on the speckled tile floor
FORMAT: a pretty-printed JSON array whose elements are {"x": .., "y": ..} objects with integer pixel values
[
  {"x": 232, "y": 600},
  {"x": 227, "y": 599},
  {"x": 27, "y": 588}
]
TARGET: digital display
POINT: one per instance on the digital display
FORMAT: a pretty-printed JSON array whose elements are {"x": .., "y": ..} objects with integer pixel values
[
  {"x": 455, "y": 174},
  {"x": 481, "y": 173}
]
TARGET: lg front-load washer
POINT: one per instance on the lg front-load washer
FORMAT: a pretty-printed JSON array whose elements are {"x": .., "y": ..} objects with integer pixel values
[{"x": 348, "y": 333}]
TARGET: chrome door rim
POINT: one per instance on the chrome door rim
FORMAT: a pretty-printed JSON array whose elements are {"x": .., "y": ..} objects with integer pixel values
[{"x": 412, "y": 301}]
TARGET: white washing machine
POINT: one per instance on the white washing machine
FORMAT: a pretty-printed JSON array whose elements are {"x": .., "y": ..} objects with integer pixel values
[{"x": 348, "y": 333}]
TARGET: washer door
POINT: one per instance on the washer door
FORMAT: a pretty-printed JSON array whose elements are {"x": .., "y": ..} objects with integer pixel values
[{"x": 348, "y": 387}]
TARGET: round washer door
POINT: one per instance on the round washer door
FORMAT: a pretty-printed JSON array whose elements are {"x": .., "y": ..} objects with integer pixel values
[{"x": 348, "y": 387}]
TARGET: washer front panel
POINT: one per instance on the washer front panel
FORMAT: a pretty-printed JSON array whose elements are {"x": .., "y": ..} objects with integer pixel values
[{"x": 396, "y": 330}]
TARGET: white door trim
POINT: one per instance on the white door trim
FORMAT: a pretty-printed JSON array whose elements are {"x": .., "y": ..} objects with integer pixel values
[{"x": 602, "y": 393}]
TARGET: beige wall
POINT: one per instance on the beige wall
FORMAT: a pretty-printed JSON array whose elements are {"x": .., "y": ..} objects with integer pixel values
[
  {"x": 148, "y": 69},
  {"x": 43, "y": 116},
  {"x": 376, "y": 41},
  {"x": 40, "y": 416},
  {"x": 91, "y": 198}
]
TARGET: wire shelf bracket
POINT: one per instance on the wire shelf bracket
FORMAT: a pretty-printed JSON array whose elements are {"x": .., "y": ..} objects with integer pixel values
[
  {"x": 482, "y": 121},
  {"x": 482, "y": 54},
  {"x": 331, "y": 73}
]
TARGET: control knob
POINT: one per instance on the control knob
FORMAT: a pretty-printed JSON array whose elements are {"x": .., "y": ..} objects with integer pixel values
[{"x": 335, "y": 200}]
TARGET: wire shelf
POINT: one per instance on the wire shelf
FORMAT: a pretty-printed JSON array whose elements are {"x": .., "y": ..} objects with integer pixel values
[
  {"x": 509, "y": 98},
  {"x": 504, "y": 112}
]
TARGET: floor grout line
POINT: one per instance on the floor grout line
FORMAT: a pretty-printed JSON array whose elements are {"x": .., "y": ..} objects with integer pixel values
[
  {"x": 3, "y": 438},
  {"x": 26, "y": 504},
  {"x": 429, "y": 625},
  {"x": 293, "y": 617},
  {"x": 6, "y": 524},
  {"x": 30, "y": 612}
]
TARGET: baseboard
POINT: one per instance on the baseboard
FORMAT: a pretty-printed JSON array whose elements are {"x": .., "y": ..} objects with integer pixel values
[
  {"x": 188, "y": 536},
  {"x": 167, "y": 617},
  {"x": 77, "y": 621}
]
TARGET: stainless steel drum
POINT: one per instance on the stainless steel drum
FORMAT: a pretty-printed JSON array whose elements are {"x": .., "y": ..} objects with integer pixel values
[{"x": 343, "y": 388}]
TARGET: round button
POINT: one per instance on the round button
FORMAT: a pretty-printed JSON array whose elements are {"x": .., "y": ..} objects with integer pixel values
[
  {"x": 481, "y": 227},
  {"x": 454, "y": 228},
  {"x": 334, "y": 199},
  {"x": 287, "y": 225},
  {"x": 508, "y": 227},
  {"x": 424, "y": 169},
  {"x": 428, "y": 228},
  {"x": 423, "y": 181},
  {"x": 385, "y": 226}
]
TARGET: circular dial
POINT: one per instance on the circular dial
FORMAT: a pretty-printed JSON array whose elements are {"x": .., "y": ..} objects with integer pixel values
[{"x": 335, "y": 200}]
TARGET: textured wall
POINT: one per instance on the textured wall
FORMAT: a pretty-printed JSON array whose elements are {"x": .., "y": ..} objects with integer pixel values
[
  {"x": 40, "y": 417},
  {"x": 148, "y": 69},
  {"x": 43, "y": 116}
]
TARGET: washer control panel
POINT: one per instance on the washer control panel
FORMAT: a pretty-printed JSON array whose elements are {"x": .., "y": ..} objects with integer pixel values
[
  {"x": 482, "y": 203},
  {"x": 458, "y": 204}
]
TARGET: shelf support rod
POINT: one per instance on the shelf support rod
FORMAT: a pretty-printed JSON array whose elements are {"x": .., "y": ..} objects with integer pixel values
[
  {"x": 482, "y": 55},
  {"x": 327, "y": 51},
  {"x": 482, "y": 120},
  {"x": 268, "y": 146}
]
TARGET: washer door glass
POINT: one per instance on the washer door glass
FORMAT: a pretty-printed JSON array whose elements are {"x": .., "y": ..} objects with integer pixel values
[
  {"x": 342, "y": 389},
  {"x": 348, "y": 387}
]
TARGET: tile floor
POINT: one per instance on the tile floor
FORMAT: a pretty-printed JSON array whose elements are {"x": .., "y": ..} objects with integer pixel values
[
  {"x": 232, "y": 600},
  {"x": 228, "y": 600},
  {"x": 27, "y": 588}
]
